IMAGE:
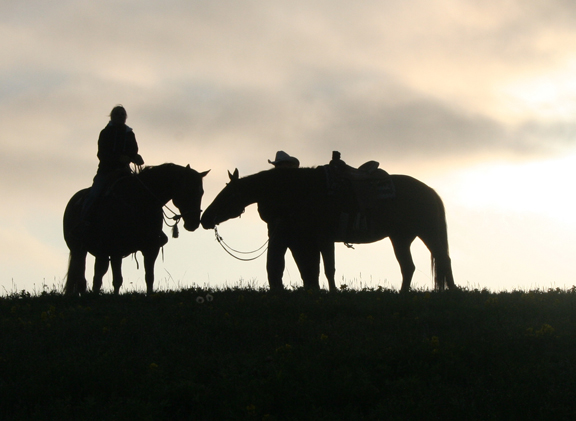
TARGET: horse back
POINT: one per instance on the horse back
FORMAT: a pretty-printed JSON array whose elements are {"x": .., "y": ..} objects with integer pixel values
[{"x": 413, "y": 208}]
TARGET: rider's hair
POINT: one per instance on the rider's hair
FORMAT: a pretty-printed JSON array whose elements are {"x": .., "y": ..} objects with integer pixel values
[{"x": 118, "y": 114}]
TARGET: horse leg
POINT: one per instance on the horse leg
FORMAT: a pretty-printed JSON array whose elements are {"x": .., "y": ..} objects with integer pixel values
[
  {"x": 100, "y": 268},
  {"x": 116, "y": 262},
  {"x": 327, "y": 251},
  {"x": 404, "y": 256},
  {"x": 149, "y": 262},
  {"x": 277, "y": 247},
  {"x": 275, "y": 266},
  {"x": 308, "y": 261},
  {"x": 75, "y": 278}
]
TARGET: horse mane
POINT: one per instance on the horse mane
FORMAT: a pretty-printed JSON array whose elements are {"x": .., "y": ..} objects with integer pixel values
[
  {"x": 277, "y": 174},
  {"x": 282, "y": 182},
  {"x": 293, "y": 171},
  {"x": 166, "y": 168},
  {"x": 149, "y": 168}
]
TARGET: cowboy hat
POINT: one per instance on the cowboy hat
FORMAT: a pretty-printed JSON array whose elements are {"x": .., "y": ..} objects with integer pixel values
[{"x": 283, "y": 157}]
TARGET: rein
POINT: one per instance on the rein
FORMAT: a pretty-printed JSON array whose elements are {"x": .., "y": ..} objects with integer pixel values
[
  {"x": 231, "y": 251},
  {"x": 176, "y": 217}
]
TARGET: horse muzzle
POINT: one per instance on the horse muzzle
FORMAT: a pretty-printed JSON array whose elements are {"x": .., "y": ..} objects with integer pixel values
[
  {"x": 209, "y": 220},
  {"x": 208, "y": 225},
  {"x": 191, "y": 224}
]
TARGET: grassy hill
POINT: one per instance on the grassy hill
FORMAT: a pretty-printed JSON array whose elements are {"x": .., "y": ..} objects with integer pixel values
[{"x": 248, "y": 354}]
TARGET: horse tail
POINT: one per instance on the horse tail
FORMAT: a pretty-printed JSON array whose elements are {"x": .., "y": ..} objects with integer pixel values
[
  {"x": 440, "y": 261},
  {"x": 68, "y": 286},
  {"x": 75, "y": 279}
]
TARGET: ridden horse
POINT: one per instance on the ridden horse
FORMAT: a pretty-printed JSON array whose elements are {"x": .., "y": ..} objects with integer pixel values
[
  {"x": 316, "y": 212},
  {"x": 128, "y": 218}
]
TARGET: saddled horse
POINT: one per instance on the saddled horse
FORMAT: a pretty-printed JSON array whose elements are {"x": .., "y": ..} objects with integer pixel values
[
  {"x": 129, "y": 218},
  {"x": 316, "y": 214}
]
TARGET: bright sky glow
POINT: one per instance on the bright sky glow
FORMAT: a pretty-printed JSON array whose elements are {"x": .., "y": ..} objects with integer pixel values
[
  {"x": 539, "y": 187},
  {"x": 550, "y": 95}
]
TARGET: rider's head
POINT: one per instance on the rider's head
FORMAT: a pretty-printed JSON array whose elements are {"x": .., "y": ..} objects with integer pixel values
[{"x": 118, "y": 115}]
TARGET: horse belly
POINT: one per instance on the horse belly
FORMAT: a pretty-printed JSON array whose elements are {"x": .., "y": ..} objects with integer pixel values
[
  {"x": 122, "y": 232},
  {"x": 358, "y": 228}
]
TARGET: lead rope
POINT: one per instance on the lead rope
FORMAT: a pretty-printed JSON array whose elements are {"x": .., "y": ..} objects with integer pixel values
[{"x": 231, "y": 251}]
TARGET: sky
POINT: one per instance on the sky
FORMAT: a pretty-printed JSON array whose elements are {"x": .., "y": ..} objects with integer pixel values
[{"x": 475, "y": 98}]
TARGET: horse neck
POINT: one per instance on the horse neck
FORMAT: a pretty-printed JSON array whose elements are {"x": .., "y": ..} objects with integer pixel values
[
  {"x": 280, "y": 185},
  {"x": 160, "y": 181}
]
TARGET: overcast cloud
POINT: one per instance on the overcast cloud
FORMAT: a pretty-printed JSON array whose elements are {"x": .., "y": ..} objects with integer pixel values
[{"x": 222, "y": 84}]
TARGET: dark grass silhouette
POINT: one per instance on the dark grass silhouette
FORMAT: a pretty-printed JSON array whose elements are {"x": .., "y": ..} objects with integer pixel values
[
  {"x": 129, "y": 219},
  {"x": 301, "y": 355},
  {"x": 315, "y": 213}
]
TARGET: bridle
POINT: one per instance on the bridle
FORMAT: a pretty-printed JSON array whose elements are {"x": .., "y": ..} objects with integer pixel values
[{"x": 176, "y": 217}]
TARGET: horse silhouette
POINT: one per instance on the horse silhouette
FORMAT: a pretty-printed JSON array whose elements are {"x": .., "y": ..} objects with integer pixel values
[
  {"x": 320, "y": 215},
  {"x": 128, "y": 218}
]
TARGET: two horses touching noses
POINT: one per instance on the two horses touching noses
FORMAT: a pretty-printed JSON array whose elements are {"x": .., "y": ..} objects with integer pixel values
[{"x": 322, "y": 206}]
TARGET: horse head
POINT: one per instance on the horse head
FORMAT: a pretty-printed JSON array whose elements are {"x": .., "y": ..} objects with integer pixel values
[
  {"x": 230, "y": 203},
  {"x": 188, "y": 197}
]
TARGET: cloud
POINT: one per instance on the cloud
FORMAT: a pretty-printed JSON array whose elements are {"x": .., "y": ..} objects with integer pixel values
[
  {"x": 405, "y": 79},
  {"x": 29, "y": 260},
  {"x": 355, "y": 113},
  {"x": 225, "y": 84},
  {"x": 38, "y": 183}
]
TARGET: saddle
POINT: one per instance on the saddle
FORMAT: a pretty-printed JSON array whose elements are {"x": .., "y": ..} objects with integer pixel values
[
  {"x": 113, "y": 181},
  {"x": 367, "y": 185},
  {"x": 358, "y": 190},
  {"x": 101, "y": 190}
]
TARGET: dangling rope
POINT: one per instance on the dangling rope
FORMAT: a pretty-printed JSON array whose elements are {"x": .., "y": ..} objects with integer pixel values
[
  {"x": 176, "y": 218},
  {"x": 231, "y": 251}
]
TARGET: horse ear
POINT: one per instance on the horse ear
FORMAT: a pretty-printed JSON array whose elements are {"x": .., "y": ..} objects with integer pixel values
[
  {"x": 203, "y": 174},
  {"x": 188, "y": 166},
  {"x": 233, "y": 176}
]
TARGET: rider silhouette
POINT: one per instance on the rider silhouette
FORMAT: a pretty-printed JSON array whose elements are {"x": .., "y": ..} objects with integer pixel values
[
  {"x": 117, "y": 148},
  {"x": 279, "y": 228}
]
